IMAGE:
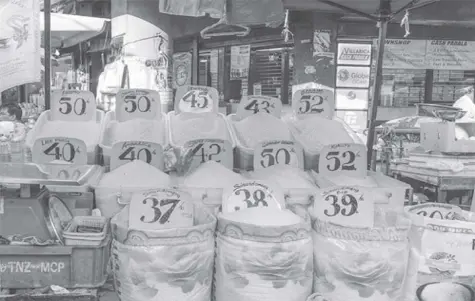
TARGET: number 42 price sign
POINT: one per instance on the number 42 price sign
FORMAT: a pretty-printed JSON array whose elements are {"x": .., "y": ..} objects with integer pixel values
[
  {"x": 197, "y": 152},
  {"x": 349, "y": 159},
  {"x": 160, "y": 209},
  {"x": 346, "y": 206},
  {"x": 252, "y": 194}
]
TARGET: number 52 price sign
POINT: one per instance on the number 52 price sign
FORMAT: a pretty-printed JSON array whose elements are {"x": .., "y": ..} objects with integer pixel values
[
  {"x": 349, "y": 159},
  {"x": 346, "y": 206},
  {"x": 314, "y": 102},
  {"x": 160, "y": 209}
]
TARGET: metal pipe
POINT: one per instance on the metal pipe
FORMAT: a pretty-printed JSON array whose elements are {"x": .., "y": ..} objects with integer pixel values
[
  {"x": 349, "y": 9},
  {"x": 47, "y": 44}
]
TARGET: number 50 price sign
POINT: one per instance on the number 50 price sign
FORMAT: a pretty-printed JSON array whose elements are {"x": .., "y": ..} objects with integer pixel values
[{"x": 73, "y": 105}]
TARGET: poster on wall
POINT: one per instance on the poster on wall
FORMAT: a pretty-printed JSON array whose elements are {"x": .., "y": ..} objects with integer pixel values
[
  {"x": 352, "y": 77},
  {"x": 20, "y": 57},
  {"x": 450, "y": 55},
  {"x": 354, "y": 54},
  {"x": 351, "y": 99},
  {"x": 182, "y": 69},
  {"x": 240, "y": 60},
  {"x": 322, "y": 53}
]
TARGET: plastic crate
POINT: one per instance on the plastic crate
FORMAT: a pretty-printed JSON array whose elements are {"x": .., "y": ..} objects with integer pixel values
[
  {"x": 74, "y": 238},
  {"x": 66, "y": 266}
]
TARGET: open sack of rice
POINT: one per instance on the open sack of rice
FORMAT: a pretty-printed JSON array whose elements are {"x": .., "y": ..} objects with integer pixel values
[
  {"x": 442, "y": 257},
  {"x": 263, "y": 254},
  {"x": 361, "y": 264},
  {"x": 169, "y": 264}
]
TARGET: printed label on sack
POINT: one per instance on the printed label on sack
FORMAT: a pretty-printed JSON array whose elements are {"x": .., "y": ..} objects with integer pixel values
[
  {"x": 126, "y": 151},
  {"x": 319, "y": 102},
  {"x": 251, "y": 194},
  {"x": 66, "y": 172},
  {"x": 346, "y": 206},
  {"x": 70, "y": 150},
  {"x": 137, "y": 103},
  {"x": 349, "y": 159},
  {"x": 197, "y": 152},
  {"x": 254, "y": 104},
  {"x": 160, "y": 209},
  {"x": 278, "y": 153},
  {"x": 196, "y": 99},
  {"x": 73, "y": 105}
]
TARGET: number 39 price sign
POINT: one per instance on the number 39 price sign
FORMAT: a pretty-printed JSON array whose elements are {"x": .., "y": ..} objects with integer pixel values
[
  {"x": 125, "y": 151},
  {"x": 254, "y": 104},
  {"x": 160, "y": 209},
  {"x": 196, "y": 99},
  {"x": 252, "y": 194},
  {"x": 319, "y": 102},
  {"x": 73, "y": 105},
  {"x": 346, "y": 206},
  {"x": 133, "y": 104},
  {"x": 349, "y": 159},
  {"x": 278, "y": 153},
  {"x": 70, "y": 150}
]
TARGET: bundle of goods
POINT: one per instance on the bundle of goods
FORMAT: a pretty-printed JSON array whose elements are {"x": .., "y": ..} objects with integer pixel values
[
  {"x": 166, "y": 264},
  {"x": 263, "y": 254},
  {"x": 441, "y": 262}
]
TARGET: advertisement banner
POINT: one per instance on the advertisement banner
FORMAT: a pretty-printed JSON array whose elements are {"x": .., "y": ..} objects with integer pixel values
[
  {"x": 404, "y": 54},
  {"x": 182, "y": 69},
  {"x": 240, "y": 61},
  {"x": 20, "y": 57},
  {"x": 354, "y": 54},
  {"x": 352, "y": 77},
  {"x": 352, "y": 99},
  {"x": 450, "y": 55}
]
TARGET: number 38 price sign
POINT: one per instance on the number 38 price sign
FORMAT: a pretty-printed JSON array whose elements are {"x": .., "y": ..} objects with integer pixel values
[
  {"x": 125, "y": 151},
  {"x": 133, "y": 104},
  {"x": 254, "y": 104},
  {"x": 346, "y": 206},
  {"x": 349, "y": 159},
  {"x": 314, "y": 102},
  {"x": 278, "y": 153},
  {"x": 252, "y": 194},
  {"x": 160, "y": 209},
  {"x": 73, "y": 105},
  {"x": 70, "y": 150},
  {"x": 196, "y": 99}
]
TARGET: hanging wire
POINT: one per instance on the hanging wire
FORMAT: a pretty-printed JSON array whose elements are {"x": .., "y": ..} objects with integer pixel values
[
  {"x": 405, "y": 23},
  {"x": 286, "y": 33}
]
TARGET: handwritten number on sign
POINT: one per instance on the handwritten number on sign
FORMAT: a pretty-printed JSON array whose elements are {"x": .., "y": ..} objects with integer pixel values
[
  {"x": 79, "y": 106},
  {"x": 337, "y": 164},
  {"x": 65, "y": 153},
  {"x": 258, "y": 197},
  {"x": 157, "y": 205},
  {"x": 308, "y": 106},
  {"x": 192, "y": 98},
  {"x": 142, "y": 104},
  {"x": 199, "y": 150},
  {"x": 254, "y": 106},
  {"x": 346, "y": 200},
  {"x": 274, "y": 159},
  {"x": 130, "y": 155}
]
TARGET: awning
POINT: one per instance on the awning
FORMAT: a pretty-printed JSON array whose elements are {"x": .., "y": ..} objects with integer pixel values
[{"x": 70, "y": 30}]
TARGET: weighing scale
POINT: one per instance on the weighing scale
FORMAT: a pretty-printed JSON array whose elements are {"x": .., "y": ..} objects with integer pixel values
[{"x": 28, "y": 208}]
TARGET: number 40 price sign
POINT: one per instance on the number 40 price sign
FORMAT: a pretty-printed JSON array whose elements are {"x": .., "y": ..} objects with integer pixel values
[
  {"x": 70, "y": 150},
  {"x": 349, "y": 159}
]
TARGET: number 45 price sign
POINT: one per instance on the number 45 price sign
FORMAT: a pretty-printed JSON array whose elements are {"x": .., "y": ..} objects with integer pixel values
[
  {"x": 196, "y": 99},
  {"x": 346, "y": 206},
  {"x": 349, "y": 159},
  {"x": 160, "y": 209}
]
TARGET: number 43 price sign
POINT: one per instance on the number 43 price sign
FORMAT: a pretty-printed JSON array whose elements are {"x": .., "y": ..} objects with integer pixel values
[
  {"x": 252, "y": 194},
  {"x": 349, "y": 159},
  {"x": 133, "y": 104},
  {"x": 254, "y": 104},
  {"x": 160, "y": 209},
  {"x": 346, "y": 206}
]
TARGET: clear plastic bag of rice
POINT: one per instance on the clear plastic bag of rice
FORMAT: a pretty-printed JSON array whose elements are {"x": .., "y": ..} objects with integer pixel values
[
  {"x": 259, "y": 128},
  {"x": 115, "y": 189},
  {"x": 88, "y": 132},
  {"x": 263, "y": 254},
  {"x": 441, "y": 262},
  {"x": 190, "y": 126},
  {"x": 361, "y": 264},
  {"x": 169, "y": 264},
  {"x": 135, "y": 130}
]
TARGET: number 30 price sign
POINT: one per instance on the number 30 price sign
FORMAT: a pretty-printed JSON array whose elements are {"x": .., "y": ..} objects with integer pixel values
[
  {"x": 160, "y": 209},
  {"x": 73, "y": 105},
  {"x": 196, "y": 99},
  {"x": 133, "y": 104},
  {"x": 278, "y": 153},
  {"x": 319, "y": 102},
  {"x": 349, "y": 159},
  {"x": 252, "y": 194},
  {"x": 254, "y": 104},
  {"x": 346, "y": 206},
  {"x": 70, "y": 150},
  {"x": 126, "y": 151}
]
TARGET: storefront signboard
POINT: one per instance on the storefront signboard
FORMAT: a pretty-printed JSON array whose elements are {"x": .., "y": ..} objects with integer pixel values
[
  {"x": 450, "y": 55},
  {"x": 73, "y": 105},
  {"x": 344, "y": 158},
  {"x": 404, "y": 54},
  {"x": 20, "y": 57},
  {"x": 354, "y": 54},
  {"x": 254, "y": 104},
  {"x": 69, "y": 150},
  {"x": 196, "y": 99},
  {"x": 240, "y": 61},
  {"x": 137, "y": 104},
  {"x": 182, "y": 62},
  {"x": 352, "y": 99},
  {"x": 352, "y": 77},
  {"x": 272, "y": 153},
  {"x": 126, "y": 151},
  {"x": 314, "y": 101}
]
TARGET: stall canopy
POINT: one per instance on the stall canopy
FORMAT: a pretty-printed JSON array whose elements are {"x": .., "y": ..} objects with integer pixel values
[{"x": 69, "y": 30}]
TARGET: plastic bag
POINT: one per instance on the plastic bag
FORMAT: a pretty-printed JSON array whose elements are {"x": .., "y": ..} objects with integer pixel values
[
  {"x": 255, "y": 263},
  {"x": 169, "y": 264},
  {"x": 361, "y": 264},
  {"x": 442, "y": 257}
]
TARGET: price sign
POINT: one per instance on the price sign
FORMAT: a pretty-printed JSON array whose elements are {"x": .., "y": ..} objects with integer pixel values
[
  {"x": 200, "y": 151},
  {"x": 347, "y": 159},
  {"x": 251, "y": 194},
  {"x": 160, "y": 209},
  {"x": 125, "y": 151},
  {"x": 254, "y": 104},
  {"x": 278, "y": 153},
  {"x": 346, "y": 206},
  {"x": 73, "y": 105},
  {"x": 196, "y": 99},
  {"x": 319, "y": 102},
  {"x": 134, "y": 103},
  {"x": 70, "y": 150}
]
